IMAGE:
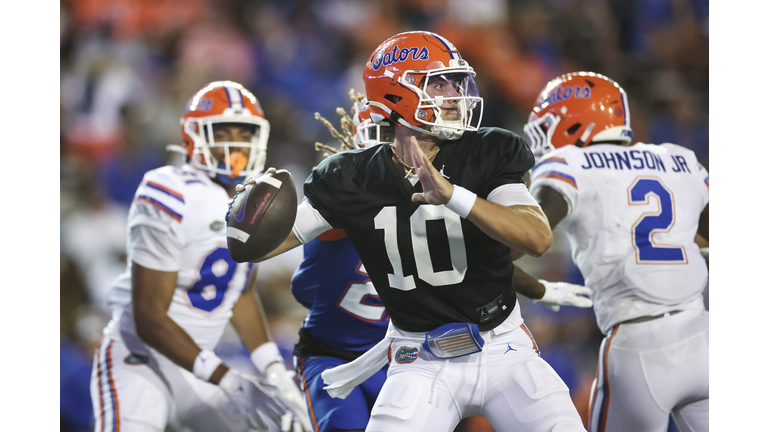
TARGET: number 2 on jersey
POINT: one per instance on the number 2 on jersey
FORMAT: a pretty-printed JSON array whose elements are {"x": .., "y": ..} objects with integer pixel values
[
  {"x": 650, "y": 223},
  {"x": 386, "y": 219},
  {"x": 362, "y": 301}
]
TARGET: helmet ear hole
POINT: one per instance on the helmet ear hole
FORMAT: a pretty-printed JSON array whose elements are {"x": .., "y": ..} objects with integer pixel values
[
  {"x": 393, "y": 98},
  {"x": 573, "y": 129}
]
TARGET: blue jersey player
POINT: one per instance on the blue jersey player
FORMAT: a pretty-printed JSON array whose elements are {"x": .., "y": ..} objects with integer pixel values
[
  {"x": 346, "y": 316},
  {"x": 345, "y": 319}
]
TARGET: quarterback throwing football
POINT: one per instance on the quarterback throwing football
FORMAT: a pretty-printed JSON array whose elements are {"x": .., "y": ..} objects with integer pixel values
[{"x": 434, "y": 218}]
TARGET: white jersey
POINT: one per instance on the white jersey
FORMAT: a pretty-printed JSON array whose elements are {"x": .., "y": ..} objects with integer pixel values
[
  {"x": 633, "y": 213},
  {"x": 176, "y": 224}
]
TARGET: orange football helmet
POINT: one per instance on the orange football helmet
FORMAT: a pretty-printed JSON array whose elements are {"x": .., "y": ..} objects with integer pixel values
[
  {"x": 579, "y": 108},
  {"x": 225, "y": 102},
  {"x": 403, "y": 71}
]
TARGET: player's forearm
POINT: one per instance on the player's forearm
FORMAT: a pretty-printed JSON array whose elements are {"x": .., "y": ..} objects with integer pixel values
[
  {"x": 168, "y": 338},
  {"x": 527, "y": 285},
  {"x": 524, "y": 228},
  {"x": 151, "y": 296},
  {"x": 289, "y": 243},
  {"x": 249, "y": 321}
]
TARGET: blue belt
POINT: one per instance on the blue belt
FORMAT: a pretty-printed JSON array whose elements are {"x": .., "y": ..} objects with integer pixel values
[{"x": 453, "y": 340}]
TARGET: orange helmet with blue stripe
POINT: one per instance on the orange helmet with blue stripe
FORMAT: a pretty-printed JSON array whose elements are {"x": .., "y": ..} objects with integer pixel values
[
  {"x": 579, "y": 108},
  {"x": 225, "y": 103},
  {"x": 402, "y": 72}
]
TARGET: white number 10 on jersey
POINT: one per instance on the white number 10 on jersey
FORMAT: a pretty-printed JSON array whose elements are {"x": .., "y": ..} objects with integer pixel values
[{"x": 387, "y": 220}]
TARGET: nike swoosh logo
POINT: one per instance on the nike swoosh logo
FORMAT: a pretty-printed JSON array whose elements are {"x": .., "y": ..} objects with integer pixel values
[{"x": 240, "y": 215}]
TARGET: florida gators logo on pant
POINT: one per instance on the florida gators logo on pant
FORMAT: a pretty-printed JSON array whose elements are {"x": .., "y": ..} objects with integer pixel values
[{"x": 407, "y": 354}]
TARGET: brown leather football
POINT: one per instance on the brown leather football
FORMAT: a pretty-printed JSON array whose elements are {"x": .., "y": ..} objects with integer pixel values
[{"x": 261, "y": 216}]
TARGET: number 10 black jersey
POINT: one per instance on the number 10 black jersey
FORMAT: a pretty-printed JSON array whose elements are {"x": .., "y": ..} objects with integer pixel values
[{"x": 430, "y": 266}]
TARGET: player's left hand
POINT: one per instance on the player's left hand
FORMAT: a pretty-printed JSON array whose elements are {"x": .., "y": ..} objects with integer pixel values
[
  {"x": 437, "y": 190},
  {"x": 290, "y": 395},
  {"x": 564, "y": 293}
]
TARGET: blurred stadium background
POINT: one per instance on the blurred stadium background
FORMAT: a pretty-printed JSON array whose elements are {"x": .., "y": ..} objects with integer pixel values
[{"x": 128, "y": 66}]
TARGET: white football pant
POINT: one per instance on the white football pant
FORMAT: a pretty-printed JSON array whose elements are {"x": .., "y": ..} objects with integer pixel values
[
  {"x": 507, "y": 383},
  {"x": 650, "y": 369},
  {"x": 131, "y": 396}
]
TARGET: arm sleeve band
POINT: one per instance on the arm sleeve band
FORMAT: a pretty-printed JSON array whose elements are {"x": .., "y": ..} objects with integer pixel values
[
  {"x": 205, "y": 363},
  {"x": 266, "y": 354},
  {"x": 462, "y": 201},
  {"x": 309, "y": 223},
  {"x": 512, "y": 194}
]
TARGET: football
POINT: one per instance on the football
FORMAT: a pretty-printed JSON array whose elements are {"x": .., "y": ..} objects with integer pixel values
[{"x": 261, "y": 216}]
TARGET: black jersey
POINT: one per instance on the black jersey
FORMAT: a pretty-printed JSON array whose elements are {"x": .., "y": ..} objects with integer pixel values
[{"x": 430, "y": 266}]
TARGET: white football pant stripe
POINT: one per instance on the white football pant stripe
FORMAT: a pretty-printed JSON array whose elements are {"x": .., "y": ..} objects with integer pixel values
[
  {"x": 600, "y": 388},
  {"x": 108, "y": 420}
]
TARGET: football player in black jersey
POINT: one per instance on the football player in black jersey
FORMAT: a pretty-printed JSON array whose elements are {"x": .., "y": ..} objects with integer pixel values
[{"x": 435, "y": 218}]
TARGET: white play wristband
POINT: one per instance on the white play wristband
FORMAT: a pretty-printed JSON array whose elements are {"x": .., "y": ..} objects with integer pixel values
[
  {"x": 546, "y": 291},
  {"x": 266, "y": 354},
  {"x": 205, "y": 363},
  {"x": 462, "y": 201}
]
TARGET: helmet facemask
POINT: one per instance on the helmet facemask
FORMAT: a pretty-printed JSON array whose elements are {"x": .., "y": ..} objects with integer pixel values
[
  {"x": 234, "y": 167},
  {"x": 581, "y": 109},
  {"x": 540, "y": 131},
  {"x": 450, "y": 89},
  {"x": 369, "y": 134}
]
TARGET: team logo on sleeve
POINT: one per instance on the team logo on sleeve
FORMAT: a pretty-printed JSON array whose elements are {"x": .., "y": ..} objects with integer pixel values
[
  {"x": 217, "y": 225},
  {"x": 407, "y": 354}
]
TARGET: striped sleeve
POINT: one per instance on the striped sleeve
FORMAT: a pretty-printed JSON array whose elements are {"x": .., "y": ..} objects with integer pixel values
[
  {"x": 556, "y": 168},
  {"x": 156, "y": 236},
  {"x": 555, "y": 172},
  {"x": 159, "y": 200}
]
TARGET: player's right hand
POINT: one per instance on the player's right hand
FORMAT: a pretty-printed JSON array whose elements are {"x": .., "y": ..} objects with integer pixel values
[
  {"x": 564, "y": 293},
  {"x": 436, "y": 189},
  {"x": 255, "y": 398}
]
